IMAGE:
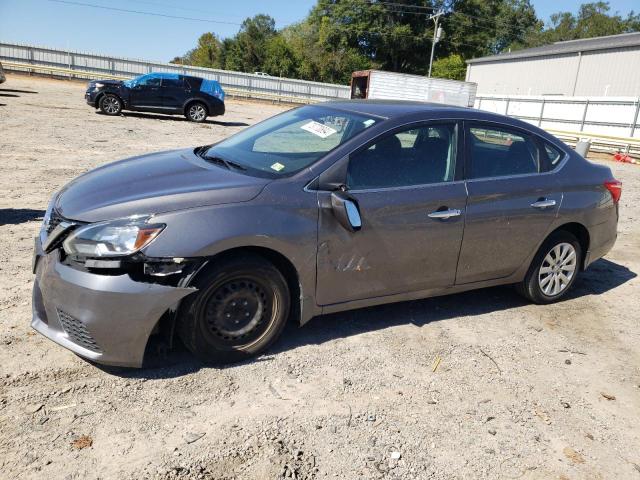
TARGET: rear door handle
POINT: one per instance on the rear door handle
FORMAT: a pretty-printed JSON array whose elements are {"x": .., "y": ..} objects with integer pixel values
[
  {"x": 444, "y": 214},
  {"x": 544, "y": 203}
]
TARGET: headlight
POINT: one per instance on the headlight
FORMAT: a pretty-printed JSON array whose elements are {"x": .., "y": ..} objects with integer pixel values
[
  {"x": 47, "y": 218},
  {"x": 111, "y": 239}
]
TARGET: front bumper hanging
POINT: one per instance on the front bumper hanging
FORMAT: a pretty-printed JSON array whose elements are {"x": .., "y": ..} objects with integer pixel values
[{"x": 104, "y": 318}]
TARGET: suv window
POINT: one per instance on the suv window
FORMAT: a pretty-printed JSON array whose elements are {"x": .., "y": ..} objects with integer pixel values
[
  {"x": 193, "y": 82},
  {"x": 151, "y": 80},
  {"x": 416, "y": 156},
  {"x": 172, "y": 81},
  {"x": 498, "y": 152}
]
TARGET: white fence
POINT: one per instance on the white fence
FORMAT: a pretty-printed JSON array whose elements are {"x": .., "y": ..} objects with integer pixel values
[
  {"x": 608, "y": 116},
  {"x": 87, "y": 65}
]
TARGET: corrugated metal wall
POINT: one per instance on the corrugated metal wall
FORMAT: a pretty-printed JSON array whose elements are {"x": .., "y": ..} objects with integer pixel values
[
  {"x": 246, "y": 83},
  {"x": 599, "y": 73}
]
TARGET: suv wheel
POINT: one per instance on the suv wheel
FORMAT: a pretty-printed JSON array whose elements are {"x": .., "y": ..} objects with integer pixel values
[
  {"x": 554, "y": 269},
  {"x": 240, "y": 309},
  {"x": 196, "y": 112},
  {"x": 110, "y": 104}
]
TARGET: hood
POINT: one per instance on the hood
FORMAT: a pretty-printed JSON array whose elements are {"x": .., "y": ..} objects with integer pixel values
[
  {"x": 154, "y": 183},
  {"x": 107, "y": 82}
]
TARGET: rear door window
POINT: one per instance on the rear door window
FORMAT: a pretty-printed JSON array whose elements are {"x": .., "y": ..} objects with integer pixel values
[
  {"x": 172, "y": 81},
  {"x": 193, "y": 83},
  {"x": 499, "y": 152}
]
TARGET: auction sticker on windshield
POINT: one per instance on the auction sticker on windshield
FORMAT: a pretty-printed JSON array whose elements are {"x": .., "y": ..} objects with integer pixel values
[{"x": 318, "y": 129}]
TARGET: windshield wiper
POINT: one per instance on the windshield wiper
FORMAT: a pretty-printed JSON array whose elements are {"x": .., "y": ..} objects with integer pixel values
[{"x": 226, "y": 163}]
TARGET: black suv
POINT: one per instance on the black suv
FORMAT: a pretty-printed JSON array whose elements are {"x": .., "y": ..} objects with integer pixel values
[{"x": 194, "y": 97}]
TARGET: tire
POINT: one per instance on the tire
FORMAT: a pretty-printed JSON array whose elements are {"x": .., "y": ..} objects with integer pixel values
[
  {"x": 196, "y": 112},
  {"x": 547, "y": 280},
  {"x": 110, "y": 104},
  {"x": 241, "y": 307}
]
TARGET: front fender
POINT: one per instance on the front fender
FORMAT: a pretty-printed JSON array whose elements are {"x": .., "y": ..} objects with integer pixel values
[{"x": 288, "y": 229}]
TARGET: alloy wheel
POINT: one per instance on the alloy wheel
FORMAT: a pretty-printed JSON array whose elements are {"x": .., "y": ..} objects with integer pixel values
[
  {"x": 557, "y": 269},
  {"x": 197, "y": 112},
  {"x": 111, "y": 104}
]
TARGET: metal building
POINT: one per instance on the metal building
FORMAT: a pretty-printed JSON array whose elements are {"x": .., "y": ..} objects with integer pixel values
[{"x": 601, "y": 66}]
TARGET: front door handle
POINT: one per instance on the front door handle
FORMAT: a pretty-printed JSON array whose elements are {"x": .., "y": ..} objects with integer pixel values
[
  {"x": 544, "y": 203},
  {"x": 444, "y": 214}
]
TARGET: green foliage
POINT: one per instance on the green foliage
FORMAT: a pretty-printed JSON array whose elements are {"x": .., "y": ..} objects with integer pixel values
[
  {"x": 206, "y": 54},
  {"x": 592, "y": 20},
  {"x": 452, "y": 67},
  {"x": 341, "y": 36}
]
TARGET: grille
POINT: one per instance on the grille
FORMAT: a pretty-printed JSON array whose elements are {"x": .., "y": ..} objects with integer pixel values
[{"x": 78, "y": 332}]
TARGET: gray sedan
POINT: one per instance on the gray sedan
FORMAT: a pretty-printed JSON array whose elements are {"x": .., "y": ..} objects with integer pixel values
[{"x": 321, "y": 209}]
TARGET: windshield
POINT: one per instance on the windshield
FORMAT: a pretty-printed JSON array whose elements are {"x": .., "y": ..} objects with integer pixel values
[{"x": 287, "y": 143}]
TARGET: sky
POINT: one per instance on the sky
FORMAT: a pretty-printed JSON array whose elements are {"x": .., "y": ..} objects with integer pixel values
[{"x": 72, "y": 24}]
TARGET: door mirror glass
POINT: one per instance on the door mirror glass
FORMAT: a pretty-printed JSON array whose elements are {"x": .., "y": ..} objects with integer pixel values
[
  {"x": 353, "y": 215},
  {"x": 346, "y": 211}
]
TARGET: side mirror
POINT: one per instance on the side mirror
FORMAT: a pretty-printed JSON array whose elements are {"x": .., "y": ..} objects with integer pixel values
[{"x": 346, "y": 211}]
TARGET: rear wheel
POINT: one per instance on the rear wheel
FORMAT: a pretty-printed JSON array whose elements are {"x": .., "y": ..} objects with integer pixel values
[
  {"x": 110, "y": 104},
  {"x": 554, "y": 269},
  {"x": 196, "y": 112},
  {"x": 240, "y": 309}
]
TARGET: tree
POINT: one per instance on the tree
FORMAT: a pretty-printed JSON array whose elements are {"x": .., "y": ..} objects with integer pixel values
[
  {"x": 280, "y": 59},
  {"x": 452, "y": 67},
  {"x": 207, "y": 53},
  {"x": 340, "y": 36},
  {"x": 592, "y": 20},
  {"x": 249, "y": 49}
]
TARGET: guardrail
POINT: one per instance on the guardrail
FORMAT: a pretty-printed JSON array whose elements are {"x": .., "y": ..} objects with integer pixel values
[
  {"x": 613, "y": 123},
  {"x": 73, "y": 64},
  {"x": 601, "y": 143}
]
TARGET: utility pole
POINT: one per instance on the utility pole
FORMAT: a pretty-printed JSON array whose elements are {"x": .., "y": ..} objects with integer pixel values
[{"x": 437, "y": 34}]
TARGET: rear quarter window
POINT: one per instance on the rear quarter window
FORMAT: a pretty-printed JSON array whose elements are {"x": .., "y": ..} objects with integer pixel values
[
  {"x": 193, "y": 82},
  {"x": 552, "y": 156}
]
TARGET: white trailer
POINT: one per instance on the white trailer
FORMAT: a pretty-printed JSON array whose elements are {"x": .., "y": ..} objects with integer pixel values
[{"x": 376, "y": 84}]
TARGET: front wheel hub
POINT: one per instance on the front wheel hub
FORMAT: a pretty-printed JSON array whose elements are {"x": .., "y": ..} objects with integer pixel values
[{"x": 237, "y": 310}]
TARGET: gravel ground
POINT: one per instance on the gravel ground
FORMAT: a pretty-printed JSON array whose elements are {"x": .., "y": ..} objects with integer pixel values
[{"x": 475, "y": 385}]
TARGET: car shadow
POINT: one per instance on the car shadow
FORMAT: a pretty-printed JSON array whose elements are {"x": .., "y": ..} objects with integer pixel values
[
  {"x": 178, "y": 118},
  {"x": 602, "y": 276},
  {"x": 16, "y": 91},
  {"x": 8, "y": 94},
  {"x": 15, "y": 216}
]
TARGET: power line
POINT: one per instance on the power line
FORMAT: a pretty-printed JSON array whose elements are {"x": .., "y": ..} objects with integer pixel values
[
  {"x": 508, "y": 26},
  {"x": 141, "y": 12}
]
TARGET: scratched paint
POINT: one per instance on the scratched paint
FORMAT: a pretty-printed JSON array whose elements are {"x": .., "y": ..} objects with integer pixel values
[{"x": 352, "y": 263}]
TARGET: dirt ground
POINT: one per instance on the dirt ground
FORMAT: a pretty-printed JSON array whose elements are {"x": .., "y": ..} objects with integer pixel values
[{"x": 475, "y": 385}]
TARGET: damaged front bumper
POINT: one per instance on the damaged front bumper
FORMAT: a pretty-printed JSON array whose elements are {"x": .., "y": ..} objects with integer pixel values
[{"x": 104, "y": 318}]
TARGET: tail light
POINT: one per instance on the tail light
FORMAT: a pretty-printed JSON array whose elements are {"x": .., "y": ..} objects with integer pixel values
[{"x": 615, "y": 189}]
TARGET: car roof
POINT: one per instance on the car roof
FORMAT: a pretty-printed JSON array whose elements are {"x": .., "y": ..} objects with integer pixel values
[{"x": 393, "y": 108}]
